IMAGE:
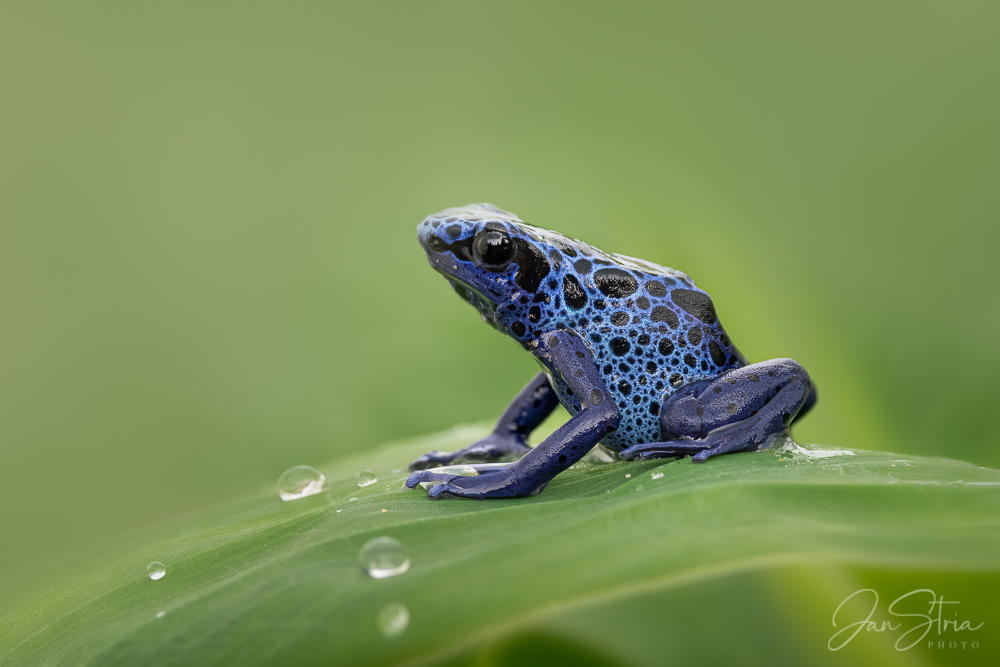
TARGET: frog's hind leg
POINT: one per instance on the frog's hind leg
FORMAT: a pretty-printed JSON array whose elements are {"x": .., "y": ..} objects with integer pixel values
[
  {"x": 744, "y": 409},
  {"x": 509, "y": 439}
]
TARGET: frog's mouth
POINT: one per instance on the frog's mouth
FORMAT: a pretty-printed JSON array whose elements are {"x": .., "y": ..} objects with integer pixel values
[{"x": 469, "y": 294}]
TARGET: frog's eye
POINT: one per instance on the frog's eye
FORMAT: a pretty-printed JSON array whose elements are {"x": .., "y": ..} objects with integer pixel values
[{"x": 494, "y": 248}]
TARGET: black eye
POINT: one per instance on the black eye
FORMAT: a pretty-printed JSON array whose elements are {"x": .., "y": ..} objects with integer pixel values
[{"x": 494, "y": 247}]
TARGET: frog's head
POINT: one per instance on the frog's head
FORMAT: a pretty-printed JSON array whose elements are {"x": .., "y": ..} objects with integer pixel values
[
  {"x": 491, "y": 258},
  {"x": 524, "y": 280}
]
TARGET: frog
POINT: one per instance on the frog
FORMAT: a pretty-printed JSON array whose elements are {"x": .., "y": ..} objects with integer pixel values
[{"x": 633, "y": 351}]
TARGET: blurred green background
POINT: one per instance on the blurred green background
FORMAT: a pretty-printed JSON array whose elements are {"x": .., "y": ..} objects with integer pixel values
[{"x": 208, "y": 266}]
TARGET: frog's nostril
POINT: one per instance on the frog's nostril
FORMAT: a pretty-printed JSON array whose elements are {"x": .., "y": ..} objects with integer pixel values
[
  {"x": 425, "y": 230},
  {"x": 436, "y": 243}
]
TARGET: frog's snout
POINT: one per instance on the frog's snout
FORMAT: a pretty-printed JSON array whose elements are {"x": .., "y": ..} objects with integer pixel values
[
  {"x": 423, "y": 233},
  {"x": 428, "y": 235},
  {"x": 437, "y": 236}
]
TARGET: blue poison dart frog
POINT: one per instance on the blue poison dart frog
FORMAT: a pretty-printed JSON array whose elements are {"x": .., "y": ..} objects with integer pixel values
[{"x": 634, "y": 351}]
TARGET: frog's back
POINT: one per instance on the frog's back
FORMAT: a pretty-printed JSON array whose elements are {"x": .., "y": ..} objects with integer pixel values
[{"x": 650, "y": 328}]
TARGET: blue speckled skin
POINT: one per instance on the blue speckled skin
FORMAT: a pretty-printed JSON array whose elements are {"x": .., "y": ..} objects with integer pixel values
[{"x": 633, "y": 350}]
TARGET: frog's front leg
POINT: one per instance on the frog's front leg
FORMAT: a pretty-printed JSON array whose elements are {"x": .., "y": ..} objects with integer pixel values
[
  {"x": 567, "y": 355},
  {"x": 510, "y": 437},
  {"x": 744, "y": 409}
]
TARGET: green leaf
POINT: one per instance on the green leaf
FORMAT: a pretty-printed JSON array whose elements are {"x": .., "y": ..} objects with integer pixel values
[{"x": 743, "y": 558}]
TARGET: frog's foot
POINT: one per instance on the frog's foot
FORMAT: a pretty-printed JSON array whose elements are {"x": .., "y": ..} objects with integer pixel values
[
  {"x": 492, "y": 480},
  {"x": 659, "y": 450},
  {"x": 491, "y": 448},
  {"x": 725, "y": 441}
]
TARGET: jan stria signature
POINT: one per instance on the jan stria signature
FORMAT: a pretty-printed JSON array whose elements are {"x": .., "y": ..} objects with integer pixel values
[{"x": 908, "y": 606}]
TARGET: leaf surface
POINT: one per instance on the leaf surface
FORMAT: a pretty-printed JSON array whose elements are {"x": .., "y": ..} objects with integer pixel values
[{"x": 604, "y": 552}]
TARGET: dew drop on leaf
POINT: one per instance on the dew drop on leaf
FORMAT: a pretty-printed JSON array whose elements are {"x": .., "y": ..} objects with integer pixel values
[
  {"x": 383, "y": 557},
  {"x": 366, "y": 478},
  {"x": 393, "y": 619},
  {"x": 299, "y": 482},
  {"x": 156, "y": 570}
]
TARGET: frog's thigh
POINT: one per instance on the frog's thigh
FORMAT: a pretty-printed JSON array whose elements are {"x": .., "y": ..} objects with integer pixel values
[
  {"x": 699, "y": 408},
  {"x": 742, "y": 410},
  {"x": 739, "y": 411}
]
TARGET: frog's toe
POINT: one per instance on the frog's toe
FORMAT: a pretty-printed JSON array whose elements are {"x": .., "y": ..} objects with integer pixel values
[
  {"x": 438, "y": 490},
  {"x": 490, "y": 448},
  {"x": 437, "y": 458},
  {"x": 450, "y": 489},
  {"x": 657, "y": 450},
  {"x": 419, "y": 476},
  {"x": 731, "y": 441},
  {"x": 432, "y": 460},
  {"x": 448, "y": 474},
  {"x": 492, "y": 480},
  {"x": 475, "y": 488}
]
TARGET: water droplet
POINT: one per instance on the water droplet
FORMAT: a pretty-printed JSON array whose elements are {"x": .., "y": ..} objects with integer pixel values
[
  {"x": 627, "y": 475},
  {"x": 161, "y": 614},
  {"x": 393, "y": 619},
  {"x": 352, "y": 500},
  {"x": 383, "y": 557},
  {"x": 463, "y": 471},
  {"x": 656, "y": 475},
  {"x": 793, "y": 451},
  {"x": 339, "y": 511},
  {"x": 156, "y": 570},
  {"x": 299, "y": 482},
  {"x": 366, "y": 478}
]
